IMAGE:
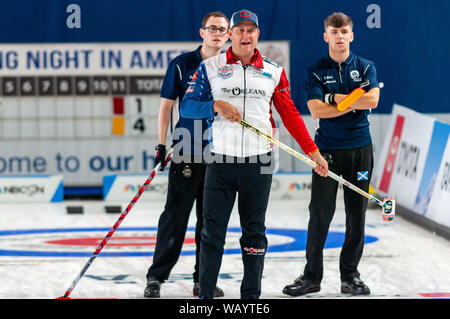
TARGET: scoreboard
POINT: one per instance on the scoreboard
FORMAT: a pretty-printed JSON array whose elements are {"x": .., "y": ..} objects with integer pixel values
[
  {"x": 86, "y": 110},
  {"x": 36, "y": 107}
]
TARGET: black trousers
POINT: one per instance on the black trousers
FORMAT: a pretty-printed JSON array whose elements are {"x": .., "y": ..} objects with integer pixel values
[
  {"x": 322, "y": 207},
  {"x": 222, "y": 183},
  {"x": 182, "y": 192}
]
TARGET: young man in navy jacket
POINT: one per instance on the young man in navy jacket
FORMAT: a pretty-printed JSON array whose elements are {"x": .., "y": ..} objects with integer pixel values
[{"x": 344, "y": 138}]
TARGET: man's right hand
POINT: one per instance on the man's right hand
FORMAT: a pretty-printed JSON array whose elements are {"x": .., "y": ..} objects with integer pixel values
[
  {"x": 228, "y": 111},
  {"x": 322, "y": 164},
  {"x": 160, "y": 156}
]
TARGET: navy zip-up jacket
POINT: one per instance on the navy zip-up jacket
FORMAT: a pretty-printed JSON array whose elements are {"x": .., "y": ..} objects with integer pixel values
[{"x": 350, "y": 130}]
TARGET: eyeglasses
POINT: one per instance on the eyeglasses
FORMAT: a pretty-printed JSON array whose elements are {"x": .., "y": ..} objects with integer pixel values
[
  {"x": 250, "y": 31},
  {"x": 214, "y": 29}
]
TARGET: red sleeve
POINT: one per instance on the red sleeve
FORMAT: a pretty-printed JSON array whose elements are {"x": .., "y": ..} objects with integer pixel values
[{"x": 291, "y": 117}]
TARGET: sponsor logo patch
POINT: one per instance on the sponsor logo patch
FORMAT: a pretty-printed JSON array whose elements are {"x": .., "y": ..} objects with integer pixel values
[
  {"x": 225, "y": 72},
  {"x": 260, "y": 73}
]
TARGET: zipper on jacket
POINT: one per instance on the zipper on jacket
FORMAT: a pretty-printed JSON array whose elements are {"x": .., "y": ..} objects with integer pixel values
[{"x": 243, "y": 113}]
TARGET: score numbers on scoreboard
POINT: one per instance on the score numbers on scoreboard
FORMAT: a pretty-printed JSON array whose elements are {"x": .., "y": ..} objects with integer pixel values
[
  {"x": 80, "y": 85},
  {"x": 96, "y": 106}
]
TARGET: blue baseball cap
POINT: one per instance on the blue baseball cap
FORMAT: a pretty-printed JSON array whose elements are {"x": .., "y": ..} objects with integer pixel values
[{"x": 242, "y": 16}]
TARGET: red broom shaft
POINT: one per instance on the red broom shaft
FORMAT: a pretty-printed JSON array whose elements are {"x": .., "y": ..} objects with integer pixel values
[{"x": 116, "y": 225}]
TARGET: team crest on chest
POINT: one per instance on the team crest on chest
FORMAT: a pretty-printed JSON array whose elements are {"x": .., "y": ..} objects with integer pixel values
[
  {"x": 355, "y": 76},
  {"x": 225, "y": 72}
]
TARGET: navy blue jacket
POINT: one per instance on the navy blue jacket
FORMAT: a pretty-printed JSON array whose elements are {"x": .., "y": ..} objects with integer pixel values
[
  {"x": 350, "y": 130},
  {"x": 176, "y": 81}
]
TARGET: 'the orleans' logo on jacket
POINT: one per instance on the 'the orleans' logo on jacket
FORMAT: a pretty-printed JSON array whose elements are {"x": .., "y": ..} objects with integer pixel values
[{"x": 246, "y": 91}]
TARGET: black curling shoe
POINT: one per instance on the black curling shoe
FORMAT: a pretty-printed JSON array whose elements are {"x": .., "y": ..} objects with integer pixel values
[
  {"x": 301, "y": 287},
  {"x": 354, "y": 286},
  {"x": 217, "y": 291},
  {"x": 153, "y": 288}
]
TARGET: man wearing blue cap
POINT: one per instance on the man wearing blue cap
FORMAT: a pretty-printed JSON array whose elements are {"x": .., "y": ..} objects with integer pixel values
[{"x": 241, "y": 84}]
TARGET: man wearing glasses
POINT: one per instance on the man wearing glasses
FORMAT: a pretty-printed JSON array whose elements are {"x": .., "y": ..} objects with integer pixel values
[
  {"x": 241, "y": 84},
  {"x": 187, "y": 171}
]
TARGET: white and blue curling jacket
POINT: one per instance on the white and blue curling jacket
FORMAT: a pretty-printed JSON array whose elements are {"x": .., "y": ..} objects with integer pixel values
[{"x": 252, "y": 90}]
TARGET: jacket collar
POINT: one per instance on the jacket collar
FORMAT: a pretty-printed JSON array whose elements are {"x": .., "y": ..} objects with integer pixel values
[
  {"x": 197, "y": 53},
  {"x": 346, "y": 62},
  {"x": 256, "y": 59}
]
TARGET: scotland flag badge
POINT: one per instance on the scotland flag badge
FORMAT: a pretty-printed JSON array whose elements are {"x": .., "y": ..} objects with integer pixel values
[{"x": 362, "y": 176}]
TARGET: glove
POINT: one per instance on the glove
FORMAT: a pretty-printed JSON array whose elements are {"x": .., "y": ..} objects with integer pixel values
[
  {"x": 328, "y": 158},
  {"x": 160, "y": 156},
  {"x": 329, "y": 99}
]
